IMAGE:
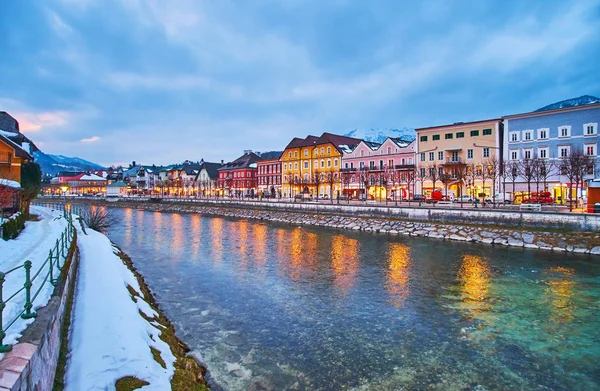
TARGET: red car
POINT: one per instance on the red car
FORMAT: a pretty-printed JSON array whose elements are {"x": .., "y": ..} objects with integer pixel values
[{"x": 543, "y": 197}]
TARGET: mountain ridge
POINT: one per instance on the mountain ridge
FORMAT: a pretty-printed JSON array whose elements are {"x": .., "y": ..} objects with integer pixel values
[
  {"x": 380, "y": 135},
  {"x": 573, "y": 102}
]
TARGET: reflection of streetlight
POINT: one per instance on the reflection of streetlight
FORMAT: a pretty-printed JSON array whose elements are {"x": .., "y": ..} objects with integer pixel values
[{"x": 64, "y": 189}]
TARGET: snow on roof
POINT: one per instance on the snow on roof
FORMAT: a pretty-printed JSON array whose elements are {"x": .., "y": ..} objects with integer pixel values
[
  {"x": 91, "y": 177},
  {"x": 118, "y": 184},
  {"x": 10, "y": 183},
  {"x": 8, "y": 134}
]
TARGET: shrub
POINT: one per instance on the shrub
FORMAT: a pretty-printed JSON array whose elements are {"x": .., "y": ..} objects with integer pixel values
[
  {"x": 13, "y": 226},
  {"x": 97, "y": 219}
]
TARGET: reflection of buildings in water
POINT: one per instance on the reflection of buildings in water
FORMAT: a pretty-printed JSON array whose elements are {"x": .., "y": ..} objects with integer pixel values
[
  {"x": 139, "y": 237},
  {"x": 259, "y": 243},
  {"x": 474, "y": 274},
  {"x": 398, "y": 273},
  {"x": 196, "y": 236},
  {"x": 239, "y": 231},
  {"x": 344, "y": 262},
  {"x": 282, "y": 252},
  {"x": 177, "y": 230},
  {"x": 216, "y": 228},
  {"x": 560, "y": 290},
  {"x": 157, "y": 230},
  {"x": 128, "y": 226}
]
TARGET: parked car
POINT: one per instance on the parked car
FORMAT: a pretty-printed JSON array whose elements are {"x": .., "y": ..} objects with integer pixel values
[
  {"x": 463, "y": 199},
  {"x": 500, "y": 198},
  {"x": 543, "y": 197}
]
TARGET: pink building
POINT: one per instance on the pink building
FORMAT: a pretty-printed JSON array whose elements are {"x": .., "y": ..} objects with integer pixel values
[{"x": 379, "y": 171}]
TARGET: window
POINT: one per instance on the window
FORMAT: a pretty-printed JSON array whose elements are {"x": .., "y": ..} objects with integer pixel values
[
  {"x": 322, "y": 163},
  {"x": 381, "y": 164},
  {"x": 285, "y": 166},
  {"x": 474, "y": 133},
  {"x": 290, "y": 155},
  {"x": 390, "y": 163},
  {"x": 527, "y": 153},
  {"x": 440, "y": 171},
  {"x": 306, "y": 152},
  {"x": 564, "y": 131},
  {"x": 422, "y": 156},
  {"x": 335, "y": 162},
  {"x": 422, "y": 172},
  {"x": 361, "y": 165},
  {"x": 431, "y": 156},
  {"x": 389, "y": 151},
  {"x": 322, "y": 150},
  {"x": 410, "y": 161},
  {"x": 563, "y": 151},
  {"x": 514, "y": 155},
  {"x": 371, "y": 165},
  {"x": 435, "y": 137},
  {"x": 351, "y": 165},
  {"x": 590, "y": 129},
  {"x": 306, "y": 165},
  {"x": 328, "y": 162},
  {"x": 543, "y": 153},
  {"x": 328, "y": 150},
  {"x": 295, "y": 153},
  {"x": 423, "y": 139},
  {"x": 448, "y": 136},
  {"x": 514, "y": 136},
  {"x": 527, "y": 135},
  {"x": 316, "y": 164},
  {"x": 543, "y": 133},
  {"x": 295, "y": 166},
  {"x": 362, "y": 153},
  {"x": 441, "y": 155},
  {"x": 346, "y": 165},
  {"x": 460, "y": 134},
  {"x": 487, "y": 132},
  {"x": 590, "y": 149},
  {"x": 486, "y": 152},
  {"x": 469, "y": 154}
]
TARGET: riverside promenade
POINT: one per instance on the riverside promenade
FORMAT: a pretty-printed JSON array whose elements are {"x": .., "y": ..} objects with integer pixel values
[{"x": 546, "y": 230}]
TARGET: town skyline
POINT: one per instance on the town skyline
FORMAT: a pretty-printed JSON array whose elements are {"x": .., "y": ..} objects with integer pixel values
[{"x": 159, "y": 84}]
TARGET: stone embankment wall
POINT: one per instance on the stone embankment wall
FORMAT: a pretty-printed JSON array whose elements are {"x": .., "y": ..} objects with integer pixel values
[
  {"x": 32, "y": 363},
  {"x": 474, "y": 230}
]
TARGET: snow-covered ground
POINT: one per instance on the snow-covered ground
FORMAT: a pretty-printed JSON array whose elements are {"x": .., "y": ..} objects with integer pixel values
[
  {"x": 109, "y": 339},
  {"x": 33, "y": 244}
]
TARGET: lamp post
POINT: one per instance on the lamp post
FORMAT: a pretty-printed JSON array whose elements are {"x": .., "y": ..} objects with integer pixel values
[{"x": 64, "y": 189}]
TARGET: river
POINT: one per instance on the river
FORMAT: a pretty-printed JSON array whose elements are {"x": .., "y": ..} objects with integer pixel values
[{"x": 267, "y": 306}]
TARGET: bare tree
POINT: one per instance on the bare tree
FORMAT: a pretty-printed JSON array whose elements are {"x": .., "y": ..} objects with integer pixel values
[
  {"x": 421, "y": 177},
  {"x": 317, "y": 179},
  {"x": 409, "y": 177},
  {"x": 575, "y": 166},
  {"x": 331, "y": 179},
  {"x": 492, "y": 166},
  {"x": 543, "y": 170},
  {"x": 471, "y": 175},
  {"x": 433, "y": 174},
  {"x": 511, "y": 172},
  {"x": 527, "y": 172}
]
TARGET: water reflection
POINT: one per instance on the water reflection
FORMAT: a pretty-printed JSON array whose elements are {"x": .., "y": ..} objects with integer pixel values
[
  {"x": 177, "y": 240},
  {"x": 474, "y": 274},
  {"x": 196, "y": 235},
  {"x": 398, "y": 273},
  {"x": 216, "y": 233},
  {"x": 560, "y": 292},
  {"x": 157, "y": 230},
  {"x": 259, "y": 241},
  {"x": 128, "y": 220},
  {"x": 344, "y": 263}
]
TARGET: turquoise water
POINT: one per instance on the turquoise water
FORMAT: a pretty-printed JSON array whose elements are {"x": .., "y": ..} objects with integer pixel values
[{"x": 267, "y": 306}]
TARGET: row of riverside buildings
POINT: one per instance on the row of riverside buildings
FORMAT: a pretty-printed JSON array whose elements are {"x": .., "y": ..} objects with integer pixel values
[{"x": 476, "y": 158}]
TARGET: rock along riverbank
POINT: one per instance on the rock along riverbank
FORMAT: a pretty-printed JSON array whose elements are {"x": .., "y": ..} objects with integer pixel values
[{"x": 543, "y": 239}]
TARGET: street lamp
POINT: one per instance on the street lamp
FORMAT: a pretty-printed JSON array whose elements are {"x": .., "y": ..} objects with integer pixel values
[{"x": 64, "y": 189}]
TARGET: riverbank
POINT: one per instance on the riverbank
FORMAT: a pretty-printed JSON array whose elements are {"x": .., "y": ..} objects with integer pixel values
[
  {"x": 119, "y": 338},
  {"x": 565, "y": 240}
]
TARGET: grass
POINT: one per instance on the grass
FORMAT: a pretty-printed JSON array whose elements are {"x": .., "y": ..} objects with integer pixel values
[
  {"x": 129, "y": 383},
  {"x": 157, "y": 357},
  {"x": 189, "y": 375}
]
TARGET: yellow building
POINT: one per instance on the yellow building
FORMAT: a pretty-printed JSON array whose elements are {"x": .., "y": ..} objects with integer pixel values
[
  {"x": 461, "y": 159},
  {"x": 311, "y": 166},
  {"x": 12, "y": 156}
]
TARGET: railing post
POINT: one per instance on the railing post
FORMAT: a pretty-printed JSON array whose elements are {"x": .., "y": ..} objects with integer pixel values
[
  {"x": 3, "y": 348},
  {"x": 62, "y": 242},
  {"x": 57, "y": 252},
  {"x": 51, "y": 259},
  {"x": 28, "y": 313}
]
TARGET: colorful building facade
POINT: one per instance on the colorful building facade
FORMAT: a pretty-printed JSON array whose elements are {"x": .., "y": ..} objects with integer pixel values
[
  {"x": 379, "y": 171},
  {"x": 460, "y": 159},
  {"x": 238, "y": 178},
  {"x": 268, "y": 173},
  {"x": 552, "y": 136}
]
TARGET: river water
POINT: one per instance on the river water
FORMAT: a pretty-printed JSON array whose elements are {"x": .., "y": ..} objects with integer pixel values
[{"x": 268, "y": 306}]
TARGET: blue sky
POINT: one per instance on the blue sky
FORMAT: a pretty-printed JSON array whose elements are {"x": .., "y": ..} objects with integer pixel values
[{"x": 159, "y": 82}]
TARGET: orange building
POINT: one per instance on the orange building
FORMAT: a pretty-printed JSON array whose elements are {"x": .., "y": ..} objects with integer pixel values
[{"x": 12, "y": 156}]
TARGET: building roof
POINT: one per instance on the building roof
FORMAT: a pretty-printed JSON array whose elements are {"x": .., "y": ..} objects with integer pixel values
[
  {"x": 19, "y": 151},
  {"x": 91, "y": 177},
  {"x": 247, "y": 160},
  {"x": 342, "y": 143},
  {"x": 118, "y": 184},
  {"x": 212, "y": 169},
  {"x": 302, "y": 142},
  {"x": 271, "y": 155},
  {"x": 458, "y": 124},
  {"x": 547, "y": 112},
  {"x": 8, "y": 123}
]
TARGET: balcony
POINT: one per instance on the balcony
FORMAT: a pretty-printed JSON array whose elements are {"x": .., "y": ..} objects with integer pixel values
[
  {"x": 352, "y": 169},
  {"x": 454, "y": 161},
  {"x": 404, "y": 166}
]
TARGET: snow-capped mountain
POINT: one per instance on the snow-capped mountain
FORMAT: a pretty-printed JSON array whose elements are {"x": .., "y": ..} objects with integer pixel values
[
  {"x": 582, "y": 100},
  {"x": 52, "y": 164},
  {"x": 379, "y": 135}
]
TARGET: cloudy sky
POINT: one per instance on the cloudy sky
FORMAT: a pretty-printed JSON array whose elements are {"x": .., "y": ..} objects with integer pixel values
[{"x": 160, "y": 81}]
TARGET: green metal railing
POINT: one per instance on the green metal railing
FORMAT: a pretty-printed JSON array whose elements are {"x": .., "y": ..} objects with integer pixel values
[{"x": 49, "y": 271}]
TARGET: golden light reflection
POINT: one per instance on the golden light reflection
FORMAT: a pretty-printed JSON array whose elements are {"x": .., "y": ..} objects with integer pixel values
[
  {"x": 240, "y": 232},
  {"x": 196, "y": 236},
  {"x": 157, "y": 230},
  {"x": 128, "y": 226},
  {"x": 177, "y": 230},
  {"x": 398, "y": 273},
  {"x": 344, "y": 262},
  {"x": 259, "y": 241},
  {"x": 560, "y": 291},
  {"x": 475, "y": 275},
  {"x": 138, "y": 229},
  {"x": 295, "y": 253},
  {"x": 216, "y": 228}
]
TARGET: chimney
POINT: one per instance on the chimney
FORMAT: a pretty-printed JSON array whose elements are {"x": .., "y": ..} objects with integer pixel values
[
  {"x": 133, "y": 163},
  {"x": 222, "y": 162},
  {"x": 247, "y": 151}
]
